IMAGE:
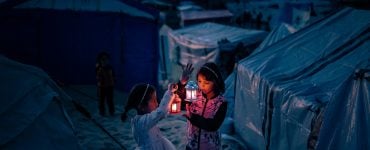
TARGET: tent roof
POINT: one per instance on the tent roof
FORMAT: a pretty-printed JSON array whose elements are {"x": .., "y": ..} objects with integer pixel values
[
  {"x": 275, "y": 35},
  {"x": 207, "y": 35},
  {"x": 90, "y": 5}
]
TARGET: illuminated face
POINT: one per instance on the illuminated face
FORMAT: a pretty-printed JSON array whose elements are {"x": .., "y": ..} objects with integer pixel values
[
  {"x": 204, "y": 85},
  {"x": 152, "y": 103}
]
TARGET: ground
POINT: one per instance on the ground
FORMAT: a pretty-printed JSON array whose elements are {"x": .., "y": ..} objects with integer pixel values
[{"x": 110, "y": 132}]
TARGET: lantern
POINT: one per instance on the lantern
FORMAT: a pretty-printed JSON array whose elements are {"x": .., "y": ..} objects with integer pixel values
[
  {"x": 175, "y": 106},
  {"x": 191, "y": 91}
]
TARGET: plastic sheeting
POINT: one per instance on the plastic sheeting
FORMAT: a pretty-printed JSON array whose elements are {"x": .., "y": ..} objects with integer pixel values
[
  {"x": 295, "y": 13},
  {"x": 351, "y": 103},
  {"x": 280, "y": 90},
  {"x": 164, "y": 68},
  {"x": 32, "y": 115},
  {"x": 274, "y": 36},
  {"x": 193, "y": 16},
  {"x": 201, "y": 43}
]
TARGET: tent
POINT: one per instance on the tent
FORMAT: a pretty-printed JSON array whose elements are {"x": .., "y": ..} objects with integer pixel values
[
  {"x": 277, "y": 34},
  {"x": 63, "y": 37},
  {"x": 281, "y": 91},
  {"x": 204, "y": 42},
  {"x": 32, "y": 111},
  {"x": 191, "y": 17}
]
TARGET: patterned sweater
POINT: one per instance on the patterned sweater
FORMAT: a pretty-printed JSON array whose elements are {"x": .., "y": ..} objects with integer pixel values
[{"x": 206, "y": 117}]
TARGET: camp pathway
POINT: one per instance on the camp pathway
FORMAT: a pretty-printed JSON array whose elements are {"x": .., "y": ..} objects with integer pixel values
[{"x": 109, "y": 132}]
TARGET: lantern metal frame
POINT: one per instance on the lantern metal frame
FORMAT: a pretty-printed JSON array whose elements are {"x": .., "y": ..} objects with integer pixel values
[{"x": 191, "y": 91}]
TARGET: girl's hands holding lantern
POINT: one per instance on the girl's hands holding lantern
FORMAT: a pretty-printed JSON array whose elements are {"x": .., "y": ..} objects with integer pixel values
[
  {"x": 175, "y": 102},
  {"x": 187, "y": 114},
  {"x": 172, "y": 87}
]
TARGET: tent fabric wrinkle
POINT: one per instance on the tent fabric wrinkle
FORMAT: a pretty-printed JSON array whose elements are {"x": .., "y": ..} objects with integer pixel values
[{"x": 353, "y": 128}]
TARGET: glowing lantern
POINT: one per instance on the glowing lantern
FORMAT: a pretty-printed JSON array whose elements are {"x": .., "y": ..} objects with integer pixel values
[
  {"x": 175, "y": 106},
  {"x": 191, "y": 91}
]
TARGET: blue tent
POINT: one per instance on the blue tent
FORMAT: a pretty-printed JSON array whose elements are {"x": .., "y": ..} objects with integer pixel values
[
  {"x": 282, "y": 90},
  {"x": 33, "y": 110},
  {"x": 64, "y": 37},
  {"x": 277, "y": 34}
]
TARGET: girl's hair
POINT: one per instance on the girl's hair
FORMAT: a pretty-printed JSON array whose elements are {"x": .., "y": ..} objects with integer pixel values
[
  {"x": 212, "y": 73},
  {"x": 101, "y": 55},
  {"x": 139, "y": 95}
]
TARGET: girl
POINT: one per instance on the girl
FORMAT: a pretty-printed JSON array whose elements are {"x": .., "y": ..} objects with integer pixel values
[
  {"x": 206, "y": 114},
  {"x": 144, "y": 99},
  {"x": 105, "y": 79}
]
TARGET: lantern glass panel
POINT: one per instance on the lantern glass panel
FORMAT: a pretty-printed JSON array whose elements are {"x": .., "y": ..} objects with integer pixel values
[{"x": 175, "y": 107}]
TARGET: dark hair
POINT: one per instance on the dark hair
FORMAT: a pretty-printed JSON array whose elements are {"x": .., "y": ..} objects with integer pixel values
[
  {"x": 137, "y": 98},
  {"x": 212, "y": 73},
  {"x": 101, "y": 55}
]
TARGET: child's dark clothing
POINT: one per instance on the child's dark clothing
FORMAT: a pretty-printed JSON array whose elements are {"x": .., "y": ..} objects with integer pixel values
[
  {"x": 181, "y": 92},
  {"x": 105, "y": 77}
]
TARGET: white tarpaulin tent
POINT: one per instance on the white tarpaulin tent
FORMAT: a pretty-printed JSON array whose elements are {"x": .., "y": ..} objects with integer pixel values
[
  {"x": 32, "y": 114},
  {"x": 281, "y": 91},
  {"x": 200, "y": 43}
]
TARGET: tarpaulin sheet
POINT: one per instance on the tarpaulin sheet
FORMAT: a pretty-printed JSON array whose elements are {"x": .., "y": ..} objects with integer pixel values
[
  {"x": 348, "y": 128},
  {"x": 274, "y": 36},
  {"x": 193, "y": 16},
  {"x": 280, "y": 90},
  {"x": 32, "y": 115},
  {"x": 201, "y": 43}
]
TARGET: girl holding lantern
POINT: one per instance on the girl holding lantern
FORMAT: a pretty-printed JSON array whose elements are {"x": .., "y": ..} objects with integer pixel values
[
  {"x": 205, "y": 114},
  {"x": 143, "y": 98}
]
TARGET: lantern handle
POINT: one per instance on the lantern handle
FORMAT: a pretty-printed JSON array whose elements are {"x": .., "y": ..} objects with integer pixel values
[{"x": 172, "y": 87}]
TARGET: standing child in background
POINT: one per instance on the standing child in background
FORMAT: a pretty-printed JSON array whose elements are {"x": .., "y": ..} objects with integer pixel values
[
  {"x": 105, "y": 79},
  {"x": 143, "y": 98},
  {"x": 206, "y": 114}
]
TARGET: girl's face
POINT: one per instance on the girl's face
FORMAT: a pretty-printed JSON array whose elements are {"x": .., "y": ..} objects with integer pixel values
[
  {"x": 205, "y": 86},
  {"x": 152, "y": 103}
]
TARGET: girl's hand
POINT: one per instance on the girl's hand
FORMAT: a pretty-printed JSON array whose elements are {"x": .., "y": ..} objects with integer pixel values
[
  {"x": 187, "y": 114},
  {"x": 172, "y": 88},
  {"x": 186, "y": 72}
]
